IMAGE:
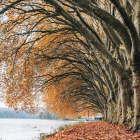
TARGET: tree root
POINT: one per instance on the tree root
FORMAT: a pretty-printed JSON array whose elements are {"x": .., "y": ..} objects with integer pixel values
[
  {"x": 128, "y": 130},
  {"x": 133, "y": 129}
]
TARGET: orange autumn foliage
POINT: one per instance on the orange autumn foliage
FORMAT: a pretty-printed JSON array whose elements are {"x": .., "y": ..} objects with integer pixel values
[
  {"x": 25, "y": 51},
  {"x": 24, "y": 72}
]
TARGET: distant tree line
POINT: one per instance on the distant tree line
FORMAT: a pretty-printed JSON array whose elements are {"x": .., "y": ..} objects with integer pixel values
[
  {"x": 46, "y": 115},
  {"x": 11, "y": 113}
]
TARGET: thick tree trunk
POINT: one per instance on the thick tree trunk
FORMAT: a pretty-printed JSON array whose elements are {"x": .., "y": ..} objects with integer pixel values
[
  {"x": 137, "y": 20},
  {"x": 105, "y": 112},
  {"x": 126, "y": 92},
  {"x": 109, "y": 112},
  {"x": 119, "y": 108},
  {"x": 136, "y": 87}
]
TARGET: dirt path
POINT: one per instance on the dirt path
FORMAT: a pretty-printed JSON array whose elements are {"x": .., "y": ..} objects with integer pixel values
[{"x": 97, "y": 130}]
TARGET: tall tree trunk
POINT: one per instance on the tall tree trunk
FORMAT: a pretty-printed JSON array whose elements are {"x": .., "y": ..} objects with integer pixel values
[
  {"x": 109, "y": 112},
  {"x": 135, "y": 66},
  {"x": 137, "y": 7},
  {"x": 105, "y": 112},
  {"x": 119, "y": 108},
  {"x": 126, "y": 92},
  {"x": 136, "y": 88}
]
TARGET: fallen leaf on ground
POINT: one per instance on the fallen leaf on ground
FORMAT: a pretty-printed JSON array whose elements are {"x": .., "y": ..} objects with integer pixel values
[{"x": 97, "y": 130}]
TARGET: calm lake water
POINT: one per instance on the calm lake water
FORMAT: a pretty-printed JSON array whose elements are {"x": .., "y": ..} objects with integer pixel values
[{"x": 27, "y": 129}]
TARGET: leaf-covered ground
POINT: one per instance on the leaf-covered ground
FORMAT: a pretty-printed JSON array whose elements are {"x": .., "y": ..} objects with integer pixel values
[{"x": 97, "y": 130}]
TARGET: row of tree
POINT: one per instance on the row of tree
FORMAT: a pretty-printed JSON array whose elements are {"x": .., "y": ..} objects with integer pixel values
[
  {"x": 73, "y": 54},
  {"x": 48, "y": 116},
  {"x": 11, "y": 113}
]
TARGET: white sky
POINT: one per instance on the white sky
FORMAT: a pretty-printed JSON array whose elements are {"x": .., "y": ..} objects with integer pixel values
[{"x": 2, "y": 105}]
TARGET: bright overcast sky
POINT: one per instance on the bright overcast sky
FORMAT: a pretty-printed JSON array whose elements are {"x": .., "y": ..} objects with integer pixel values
[{"x": 2, "y": 105}]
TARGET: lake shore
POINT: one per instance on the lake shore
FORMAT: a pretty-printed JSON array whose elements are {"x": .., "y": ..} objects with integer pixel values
[
  {"x": 95, "y": 130},
  {"x": 47, "y": 136},
  {"x": 28, "y": 129}
]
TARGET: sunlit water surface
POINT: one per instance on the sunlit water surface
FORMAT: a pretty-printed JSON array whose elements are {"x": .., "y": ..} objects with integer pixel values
[{"x": 27, "y": 129}]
